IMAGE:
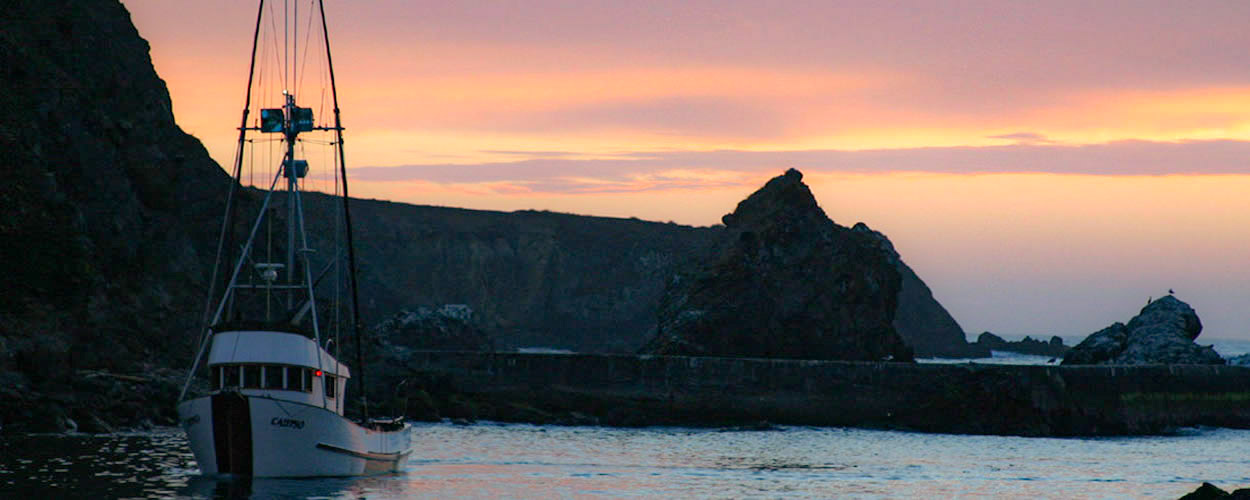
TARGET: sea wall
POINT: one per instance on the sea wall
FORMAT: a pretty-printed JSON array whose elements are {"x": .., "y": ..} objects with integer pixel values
[{"x": 956, "y": 398}]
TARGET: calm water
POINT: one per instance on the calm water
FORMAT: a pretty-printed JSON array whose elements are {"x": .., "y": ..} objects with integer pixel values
[{"x": 523, "y": 461}]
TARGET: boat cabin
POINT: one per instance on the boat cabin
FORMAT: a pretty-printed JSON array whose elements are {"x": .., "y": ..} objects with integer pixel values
[{"x": 278, "y": 365}]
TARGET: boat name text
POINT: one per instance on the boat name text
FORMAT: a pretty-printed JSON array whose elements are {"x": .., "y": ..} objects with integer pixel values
[{"x": 287, "y": 422}]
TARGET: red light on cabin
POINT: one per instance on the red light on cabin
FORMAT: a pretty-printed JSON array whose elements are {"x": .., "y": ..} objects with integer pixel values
[{"x": 318, "y": 373}]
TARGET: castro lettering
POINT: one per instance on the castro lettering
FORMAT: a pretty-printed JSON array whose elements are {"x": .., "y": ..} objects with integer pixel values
[{"x": 287, "y": 422}]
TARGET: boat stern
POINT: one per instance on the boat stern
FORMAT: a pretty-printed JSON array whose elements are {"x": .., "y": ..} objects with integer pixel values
[{"x": 195, "y": 416}]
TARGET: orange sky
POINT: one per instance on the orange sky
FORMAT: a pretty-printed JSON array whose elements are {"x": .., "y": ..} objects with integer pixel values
[{"x": 1045, "y": 167}]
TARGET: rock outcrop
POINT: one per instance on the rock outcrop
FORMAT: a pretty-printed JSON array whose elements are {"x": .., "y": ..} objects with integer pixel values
[
  {"x": 1210, "y": 491},
  {"x": 1163, "y": 333},
  {"x": 448, "y": 328},
  {"x": 1029, "y": 345},
  {"x": 784, "y": 281},
  {"x": 923, "y": 323},
  {"x": 1243, "y": 360}
]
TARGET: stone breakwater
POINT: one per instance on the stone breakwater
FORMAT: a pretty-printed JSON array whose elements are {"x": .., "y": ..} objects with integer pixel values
[{"x": 674, "y": 390}]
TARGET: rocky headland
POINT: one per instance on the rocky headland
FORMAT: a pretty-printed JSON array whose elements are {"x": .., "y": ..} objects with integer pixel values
[
  {"x": 1163, "y": 333},
  {"x": 784, "y": 281}
]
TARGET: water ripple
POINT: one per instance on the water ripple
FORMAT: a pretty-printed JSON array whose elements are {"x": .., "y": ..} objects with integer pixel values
[{"x": 524, "y": 461}]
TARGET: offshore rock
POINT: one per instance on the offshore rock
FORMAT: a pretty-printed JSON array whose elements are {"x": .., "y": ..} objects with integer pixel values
[
  {"x": 1029, "y": 345},
  {"x": 1211, "y": 491},
  {"x": 784, "y": 281},
  {"x": 1163, "y": 333},
  {"x": 1243, "y": 360},
  {"x": 1205, "y": 492},
  {"x": 923, "y": 323}
]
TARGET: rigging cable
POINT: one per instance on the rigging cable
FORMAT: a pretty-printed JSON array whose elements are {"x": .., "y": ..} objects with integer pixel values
[
  {"x": 226, "y": 224},
  {"x": 304, "y": 61},
  {"x": 347, "y": 219}
]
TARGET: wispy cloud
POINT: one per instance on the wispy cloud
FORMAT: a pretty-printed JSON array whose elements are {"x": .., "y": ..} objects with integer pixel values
[
  {"x": 550, "y": 154},
  {"x": 652, "y": 170},
  {"x": 1024, "y": 138}
]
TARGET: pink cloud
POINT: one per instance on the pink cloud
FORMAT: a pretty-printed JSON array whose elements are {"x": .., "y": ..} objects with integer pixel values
[{"x": 550, "y": 172}]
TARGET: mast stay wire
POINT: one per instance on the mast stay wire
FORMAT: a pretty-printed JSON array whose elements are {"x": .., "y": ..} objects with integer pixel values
[
  {"x": 304, "y": 60},
  {"x": 205, "y": 325},
  {"x": 286, "y": 43},
  {"x": 276, "y": 53}
]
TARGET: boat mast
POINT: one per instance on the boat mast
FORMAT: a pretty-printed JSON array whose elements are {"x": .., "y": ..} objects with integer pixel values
[
  {"x": 347, "y": 217},
  {"x": 292, "y": 184}
]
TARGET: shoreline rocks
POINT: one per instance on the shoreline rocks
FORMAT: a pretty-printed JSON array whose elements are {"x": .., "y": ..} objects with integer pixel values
[
  {"x": 1162, "y": 333},
  {"x": 1029, "y": 345}
]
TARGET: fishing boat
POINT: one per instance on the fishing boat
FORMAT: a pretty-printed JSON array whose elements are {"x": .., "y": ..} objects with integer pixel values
[{"x": 266, "y": 394}]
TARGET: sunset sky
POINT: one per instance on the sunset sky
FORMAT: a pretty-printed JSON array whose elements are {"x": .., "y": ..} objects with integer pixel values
[{"x": 1044, "y": 166}]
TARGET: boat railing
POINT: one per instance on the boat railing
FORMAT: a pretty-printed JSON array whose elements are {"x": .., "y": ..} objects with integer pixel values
[{"x": 384, "y": 424}]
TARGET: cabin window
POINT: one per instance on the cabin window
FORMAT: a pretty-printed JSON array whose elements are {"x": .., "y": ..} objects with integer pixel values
[
  {"x": 216, "y": 375},
  {"x": 273, "y": 377},
  {"x": 251, "y": 376},
  {"x": 293, "y": 379},
  {"x": 230, "y": 376},
  {"x": 307, "y": 380},
  {"x": 331, "y": 385}
]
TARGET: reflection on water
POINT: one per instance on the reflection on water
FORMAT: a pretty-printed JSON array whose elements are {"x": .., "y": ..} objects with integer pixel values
[
  {"x": 523, "y": 461},
  {"x": 147, "y": 465}
]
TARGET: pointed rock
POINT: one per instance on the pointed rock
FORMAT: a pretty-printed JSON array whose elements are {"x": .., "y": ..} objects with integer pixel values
[{"x": 784, "y": 281}]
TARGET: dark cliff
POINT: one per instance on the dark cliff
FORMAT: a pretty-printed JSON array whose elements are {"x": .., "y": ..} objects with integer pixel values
[
  {"x": 533, "y": 279},
  {"x": 109, "y": 213},
  {"x": 784, "y": 281}
]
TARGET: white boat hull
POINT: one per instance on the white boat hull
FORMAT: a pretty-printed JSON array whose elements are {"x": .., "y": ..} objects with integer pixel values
[{"x": 260, "y": 436}]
